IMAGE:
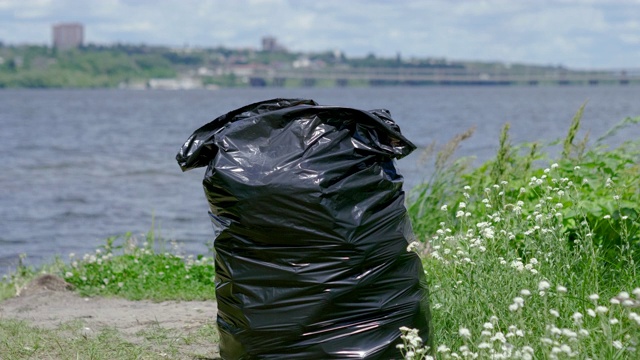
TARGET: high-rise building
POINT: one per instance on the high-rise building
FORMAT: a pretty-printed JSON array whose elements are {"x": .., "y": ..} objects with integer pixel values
[
  {"x": 270, "y": 43},
  {"x": 68, "y": 35}
]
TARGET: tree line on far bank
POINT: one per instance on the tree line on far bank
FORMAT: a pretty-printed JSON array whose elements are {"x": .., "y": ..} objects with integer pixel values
[{"x": 98, "y": 66}]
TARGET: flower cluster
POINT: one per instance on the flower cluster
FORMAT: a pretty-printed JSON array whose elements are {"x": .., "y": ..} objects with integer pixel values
[{"x": 524, "y": 256}]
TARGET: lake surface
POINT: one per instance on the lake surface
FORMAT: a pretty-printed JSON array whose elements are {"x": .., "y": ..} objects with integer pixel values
[{"x": 79, "y": 166}]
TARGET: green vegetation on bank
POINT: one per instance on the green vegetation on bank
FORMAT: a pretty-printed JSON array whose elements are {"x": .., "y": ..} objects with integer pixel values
[
  {"x": 126, "y": 268},
  {"x": 527, "y": 256},
  {"x": 89, "y": 67},
  {"x": 97, "y": 66},
  {"x": 530, "y": 257}
]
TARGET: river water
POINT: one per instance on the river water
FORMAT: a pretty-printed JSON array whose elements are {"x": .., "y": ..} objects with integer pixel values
[{"x": 79, "y": 166}]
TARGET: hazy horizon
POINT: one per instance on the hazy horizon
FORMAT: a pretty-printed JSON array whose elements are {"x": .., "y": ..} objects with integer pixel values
[{"x": 579, "y": 34}]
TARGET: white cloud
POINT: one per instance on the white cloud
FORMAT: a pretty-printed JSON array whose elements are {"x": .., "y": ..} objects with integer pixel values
[{"x": 577, "y": 33}]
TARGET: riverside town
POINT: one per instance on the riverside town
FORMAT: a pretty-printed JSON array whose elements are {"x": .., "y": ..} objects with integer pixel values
[{"x": 69, "y": 62}]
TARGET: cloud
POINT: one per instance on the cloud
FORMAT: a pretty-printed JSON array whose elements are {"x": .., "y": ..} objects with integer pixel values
[{"x": 569, "y": 32}]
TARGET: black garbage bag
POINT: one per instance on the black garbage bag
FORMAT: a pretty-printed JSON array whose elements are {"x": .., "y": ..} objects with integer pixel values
[{"x": 311, "y": 232}]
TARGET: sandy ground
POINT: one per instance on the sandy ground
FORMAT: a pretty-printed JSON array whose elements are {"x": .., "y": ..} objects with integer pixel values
[{"x": 48, "y": 303}]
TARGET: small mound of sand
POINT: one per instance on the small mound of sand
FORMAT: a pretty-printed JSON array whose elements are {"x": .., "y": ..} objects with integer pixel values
[{"x": 46, "y": 282}]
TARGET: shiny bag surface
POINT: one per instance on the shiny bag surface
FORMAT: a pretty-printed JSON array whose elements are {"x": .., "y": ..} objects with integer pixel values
[{"x": 311, "y": 231}]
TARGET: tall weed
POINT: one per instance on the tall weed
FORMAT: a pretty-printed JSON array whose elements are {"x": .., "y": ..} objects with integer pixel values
[{"x": 519, "y": 256}]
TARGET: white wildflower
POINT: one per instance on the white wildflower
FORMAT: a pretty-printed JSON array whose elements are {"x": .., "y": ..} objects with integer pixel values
[
  {"x": 488, "y": 233},
  {"x": 499, "y": 336},
  {"x": 577, "y": 317},
  {"x": 566, "y": 349},
  {"x": 543, "y": 285},
  {"x": 464, "y": 332},
  {"x": 519, "y": 301},
  {"x": 517, "y": 264},
  {"x": 413, "y": 246}
]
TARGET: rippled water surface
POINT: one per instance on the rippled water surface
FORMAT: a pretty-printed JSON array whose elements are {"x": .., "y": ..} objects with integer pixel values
[{"x": 80, "y": 166}]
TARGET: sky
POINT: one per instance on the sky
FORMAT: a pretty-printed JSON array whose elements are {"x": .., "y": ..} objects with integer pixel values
[{"x": 579, "y": 34}]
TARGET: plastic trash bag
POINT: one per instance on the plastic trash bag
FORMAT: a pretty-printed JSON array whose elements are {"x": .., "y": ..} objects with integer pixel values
[{"x": 311, "y": 231}]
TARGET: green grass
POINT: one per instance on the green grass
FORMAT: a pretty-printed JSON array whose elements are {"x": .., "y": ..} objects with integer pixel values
[
  {"x": 124, "y": 268},
  {"x": 526, "y": 256},
  {"x": 19, "y": 340},
  {"x": 533, "y": 262}
]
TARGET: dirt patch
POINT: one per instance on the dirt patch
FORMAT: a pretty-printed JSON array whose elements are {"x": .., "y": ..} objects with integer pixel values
[{"x": 49, "y": 303}]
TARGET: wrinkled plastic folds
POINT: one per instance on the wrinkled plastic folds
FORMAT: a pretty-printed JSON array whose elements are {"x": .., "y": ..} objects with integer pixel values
[{"x": 311, "y": 231}]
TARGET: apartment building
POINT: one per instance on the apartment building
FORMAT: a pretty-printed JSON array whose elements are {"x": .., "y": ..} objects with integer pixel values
[{"x": 67, "y": 35}]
